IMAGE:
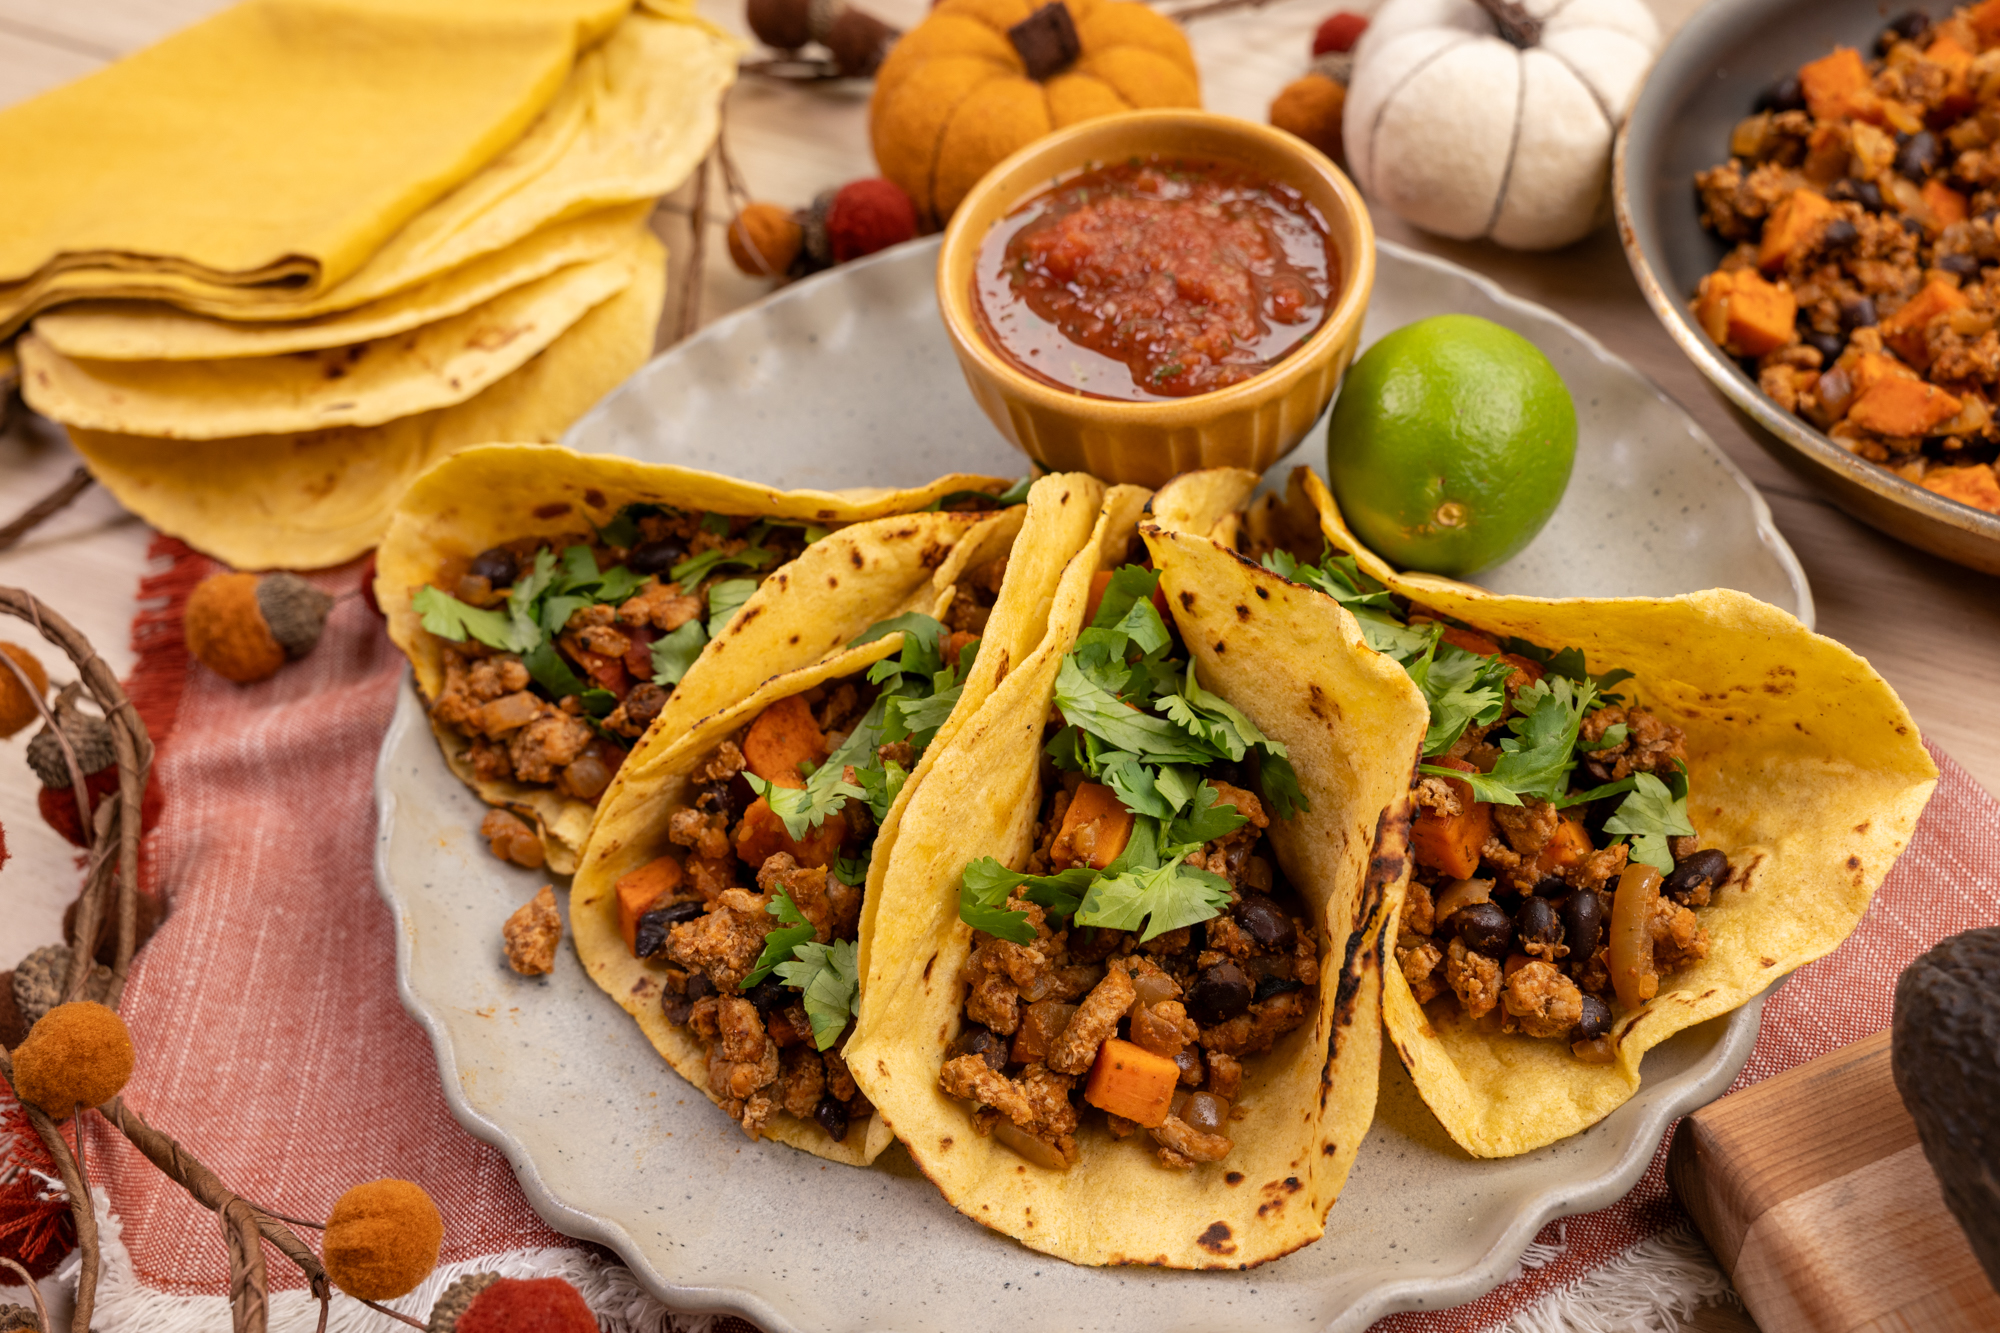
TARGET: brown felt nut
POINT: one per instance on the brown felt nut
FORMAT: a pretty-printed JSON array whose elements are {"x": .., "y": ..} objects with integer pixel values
[
  {"x": 784, "y": 24},
  {"x": 77, "y": 1054},
  {"x": 17, "y": 708},
  {"x": 1311, "y": 108},
  {"x": 858, "y": 41},
  {"x": 226, "y": 630},
  {"x": 382, "y": 1239},
  {"x": 764, "y": 239}
]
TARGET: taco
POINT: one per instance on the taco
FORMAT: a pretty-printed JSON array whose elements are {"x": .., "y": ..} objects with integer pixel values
[
  {"x": 720, "y": 897},
  {"x": 1633, "y": 814},
  {"x": 554, "y": 605},
  {"x": 1122, "y": 994}
]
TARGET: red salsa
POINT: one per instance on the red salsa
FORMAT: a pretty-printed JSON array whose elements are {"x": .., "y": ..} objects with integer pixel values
[{"x": 1155, "y": 278}]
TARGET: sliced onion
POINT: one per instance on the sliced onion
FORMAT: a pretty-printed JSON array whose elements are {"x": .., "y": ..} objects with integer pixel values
[
  {"x": 1633, "y": 974},
  {"x": 1030, "y": 1147},
  {"x": 1204, "y": 1111},
  {"x": 1149, "y": 988},
  {"x": 587, "y": 777},
  {"x": 1461, "y": 893},
  {"x": 1596, "y": 1051}
]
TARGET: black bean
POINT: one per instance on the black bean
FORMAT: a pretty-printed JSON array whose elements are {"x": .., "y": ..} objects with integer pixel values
[
  {"x": 1911, "y": 225},
  {"x": 1839, "y": 234},
  {"x": 699, "y": 986},
  {"x": 1537, "y": 922},
  {"x": 832, "y": 1117},
  {"x": 1784, "y": 95},
  {"x": 1829, "y": 345},
  {"x": 655, "y": 557},
  {"x": 1858, "y": 313},
  {"x": 1709, "y": 867},
  {"x": 728, "y": 799},
  {"x": 1267, "y": 923},
  {"x": 1918, "y": 156},
  {"x": 1219, "y": 994},
  {"x": 985, "y": 1044},
  {"x": 644, "y": 702},
  {"x": 1583, "y": 923},
  {"x": 1595, "y": 1022},
  {"x": 651, "y": 935},
  {"x": 1270, "y": 986},
  {"x": 1905, "y": 27},
  {"x": 1485, "y": 927},
  {"x": 769, "y": 995},
  {"x": 497, "y": 566},
  {"x": 1964, "y": 266},
  {"x": 1866, "y": 193},
  {"x": 676, "y": 1007},
  {"x": 1551, "y": 886}
]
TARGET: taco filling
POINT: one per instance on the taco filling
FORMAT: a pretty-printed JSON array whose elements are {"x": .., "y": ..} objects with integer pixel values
[
  {"x": 558, "y": 652},
  {"x": 1150, "y": 945},
  {"x": 1557, "y": 877},
  {"x": 755, "y": 915}
]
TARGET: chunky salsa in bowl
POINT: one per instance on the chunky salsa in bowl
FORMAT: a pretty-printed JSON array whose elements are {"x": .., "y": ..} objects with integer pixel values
[{"x": 1151, "y": 293}]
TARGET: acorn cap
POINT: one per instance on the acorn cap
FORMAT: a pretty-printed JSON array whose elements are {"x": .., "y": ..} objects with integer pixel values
[
  {"x": 89, "y": 735},
  {"x": 294, "y": 609},
  {"x": 818, "y": 252},
  {"x": 456, "y": 1298},
  {"x": 1335, "y": 65},
  {"x": 19, "y": 1317},
  {"x": 38, "y": 981}
]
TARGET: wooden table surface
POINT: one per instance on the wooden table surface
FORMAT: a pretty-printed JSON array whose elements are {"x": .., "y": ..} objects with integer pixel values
[{"x": 1931, "y": 627}]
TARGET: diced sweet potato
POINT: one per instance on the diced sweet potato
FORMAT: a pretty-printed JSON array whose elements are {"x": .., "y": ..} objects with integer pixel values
[
  {"x": 638, "y": 891},
  {"x": 1471, "y": 640},
  {"x": 1985, "y": 20},
  {"x": 1751, "y": 316},
  {"x": 1131, "y": 1081},
  {"x": 1956, "y": 61},
  {"x": 1527, "y": 666},
  {"x": 783, "y": 737},
  {"x": 1838, "y": 86},
  {"x": 1945, "y": 204},
  {"x": 762, "y": 835},
  {"x": 1569, "y": 846},
  {"x": 1975, "y": 486},
  {"x": 1041, "y": 1023},
  {"x": 1903, "y": 407},
  {"x": 1094, "y": 830},
  {"x": 1451, "y": 843},
  {"x": 1791, "y": 225},
  {"x": 1870, "y": 368},
  {"x": 1904, "y": 330}
]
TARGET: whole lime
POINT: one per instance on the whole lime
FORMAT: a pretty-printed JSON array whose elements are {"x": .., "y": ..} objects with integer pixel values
[{"x": 1450, "y": 444}]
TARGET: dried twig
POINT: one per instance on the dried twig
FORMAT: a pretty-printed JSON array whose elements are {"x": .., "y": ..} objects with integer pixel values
[
  {"x": 79, "y": 1204},
  {"x": 396, "y": 1315},
  {"x": 690, "y": 315},
  {"x": 249, "y": 1305},
  {"x": 794, "y": 69},
  {"x": 41, "y": 510},
  {"x": 1212, "y": 7},
  {"x": 34, "y": 1294}
]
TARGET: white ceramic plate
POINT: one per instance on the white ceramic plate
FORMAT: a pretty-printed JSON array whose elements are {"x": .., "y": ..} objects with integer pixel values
[{"x": 847, "y": 380}]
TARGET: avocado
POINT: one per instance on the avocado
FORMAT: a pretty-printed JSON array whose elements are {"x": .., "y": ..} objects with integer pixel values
[{"x": 1945, "y": 1054}]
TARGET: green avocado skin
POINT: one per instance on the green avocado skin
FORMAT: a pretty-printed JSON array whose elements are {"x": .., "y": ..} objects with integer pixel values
[
  {"x": 1944, "y": 1050},
  {"x": 1450, "y": 408}
]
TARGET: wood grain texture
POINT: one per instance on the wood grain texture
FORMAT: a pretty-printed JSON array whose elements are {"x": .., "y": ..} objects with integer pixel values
[{"x": 1814, "y": 1194}]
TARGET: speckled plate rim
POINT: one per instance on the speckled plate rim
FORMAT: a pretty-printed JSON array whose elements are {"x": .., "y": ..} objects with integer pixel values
[
  {"x": 1561, "y": 1198},
  {"x": 1637, "y": 235}
]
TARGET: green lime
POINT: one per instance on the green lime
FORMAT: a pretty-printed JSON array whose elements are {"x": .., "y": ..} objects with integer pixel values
[{"x": 1450, "y": 444}]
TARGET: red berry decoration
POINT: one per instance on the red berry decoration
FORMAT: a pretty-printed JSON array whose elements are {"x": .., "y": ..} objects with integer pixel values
[
  {"x": 528, "y": 1305},
  {"x": 866, "y": 216},
  {"x": 1339, "y": 32}
]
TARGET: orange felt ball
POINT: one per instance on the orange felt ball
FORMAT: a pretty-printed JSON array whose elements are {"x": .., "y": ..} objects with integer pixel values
[
  {"x": 764, "y": 239},
  {"x": 227, "y": 632},
  {"x": 1311, "y": 108},
  {"x": 77, "y": 1054},
  {"x": 382, "y": 1239},
  {"x": 528, "y": 1305},
  {"x": 17, "y": 707}
]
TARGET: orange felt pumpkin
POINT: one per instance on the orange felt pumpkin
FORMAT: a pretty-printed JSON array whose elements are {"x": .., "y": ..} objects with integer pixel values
[{"x": 979, "y": 79}]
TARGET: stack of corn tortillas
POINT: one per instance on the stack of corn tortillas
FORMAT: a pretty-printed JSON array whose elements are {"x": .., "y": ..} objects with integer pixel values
[{"x": 332, "y": 241}]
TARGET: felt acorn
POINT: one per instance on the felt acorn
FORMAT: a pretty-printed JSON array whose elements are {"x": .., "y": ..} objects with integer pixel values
[
  {"x": 765, "y": 240},
  {"x": 1312, "y": 106},
  {"x": 489, "y": 1303},
  {"x": 96, "y": 754},
  {"x": 77, "y": 1054},
  {"x": 17, "y": 706},
  {"x": 857, "y": 39},
  {"x": 382, "y": 1239},
  {"x": 245, "y": 626},
  {"x": 857, "y": 219}
]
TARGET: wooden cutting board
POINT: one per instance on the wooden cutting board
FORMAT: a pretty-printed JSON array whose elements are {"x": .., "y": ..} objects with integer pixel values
[{"x": 1814, "y": 1193}]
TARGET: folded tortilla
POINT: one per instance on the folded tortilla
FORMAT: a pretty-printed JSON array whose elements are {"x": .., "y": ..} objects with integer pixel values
[
  {"x": 315, "y": 499},
  {"x": 1293, "y": 662},
  {"x": 880, "y": 555},
  {"x": 362, "y": 384},
  {"x": 652, "y": 785},
  {"x": 153, "y": 331},
  {"x": 1803, "y": 767}
]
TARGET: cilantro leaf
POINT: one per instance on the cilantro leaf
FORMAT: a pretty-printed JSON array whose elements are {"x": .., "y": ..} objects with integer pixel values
[
  {"x": 697, "y": 567},
  {"x": 781, "y": 941},
  {"x": 1278, "y": 784},
  {"x": 1653, "y": 813},
  {"x": 1462, "y": 688},
  {"x": 921, "y": 654},
  {"x": 676, "y": 652},
  {"x": 1614, "y": 735},
  {"x": 918, "y": 719},
  {"x": 1087, "y": 705},
  {"x": 1013, "y": 495},
  {"x": 725, "y": 598},
  {"x": 1568, "y": 663},
  {"x": 803, "y": 809},
  {"x": 1172, "y": 896},
  {"x": 830, "y": 976},
  {"x": 551, "y": 672},
  {"x": 715, "y": 525},
  {"x": 982, "y": 901},
  {"x": 880, "y": 787},
  {"x": 1338, "y": 576},
  {"x": 451, "y": 619},
  {"x": 623, "y": 529},
  {"x": 1209, "y": 818},
  {"x": 1130, "y": 584}
]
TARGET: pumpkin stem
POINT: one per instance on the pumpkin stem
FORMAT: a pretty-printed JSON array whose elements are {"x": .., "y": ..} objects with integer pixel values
[
  {"x": 1517, "y": 26},
  {"x": 1046, "y": 41}
]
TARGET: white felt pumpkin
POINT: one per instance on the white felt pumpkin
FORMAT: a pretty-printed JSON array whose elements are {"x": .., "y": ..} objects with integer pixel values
[{"x": 1457, "y": 129}]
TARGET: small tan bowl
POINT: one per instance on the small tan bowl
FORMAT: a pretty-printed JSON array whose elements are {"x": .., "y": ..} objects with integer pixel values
[{"x": 1249, "y": 425}]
